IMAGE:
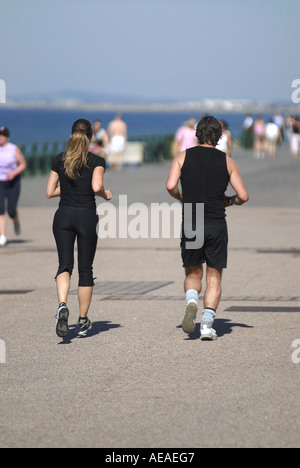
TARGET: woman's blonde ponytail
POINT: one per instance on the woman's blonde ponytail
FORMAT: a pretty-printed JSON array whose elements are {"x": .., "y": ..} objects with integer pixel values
[{"x": 76, "y": 155}]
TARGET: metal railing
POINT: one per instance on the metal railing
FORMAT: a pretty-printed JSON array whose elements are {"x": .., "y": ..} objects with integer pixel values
[{"x": 39, "y": 156}]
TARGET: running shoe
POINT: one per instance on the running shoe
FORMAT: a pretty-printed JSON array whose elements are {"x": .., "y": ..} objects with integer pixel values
[
  {"x": 207, "y": 332},
  {"x": 17, "y": 228},
  {"x": 189, "y": 321},
  {"x": 62, "y": 327},
  {"x": 83, "y": 327},
  {"x": 3, "y": 241}
]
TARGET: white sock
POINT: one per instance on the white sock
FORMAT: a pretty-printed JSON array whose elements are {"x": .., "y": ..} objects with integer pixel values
[
  {"x": 192, "y": 296},
  {"x": 208, "y": 316}
]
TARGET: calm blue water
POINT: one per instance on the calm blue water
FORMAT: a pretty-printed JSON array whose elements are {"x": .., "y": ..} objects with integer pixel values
[{"x": 27, "y": 126}]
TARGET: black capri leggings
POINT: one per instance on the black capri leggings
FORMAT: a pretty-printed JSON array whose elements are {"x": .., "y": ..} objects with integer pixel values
[
  {"x": 70, "y": 223},
  {"x": 10, "y": 191}
]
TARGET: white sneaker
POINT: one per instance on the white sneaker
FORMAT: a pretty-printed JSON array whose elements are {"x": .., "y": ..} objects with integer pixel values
[
  {"x": 3, "y": 241},
  {"x": 208, "y": 333},
  {"x": 189, "y": 321}
]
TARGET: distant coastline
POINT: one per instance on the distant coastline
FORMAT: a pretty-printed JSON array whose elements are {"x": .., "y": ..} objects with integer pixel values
[{"x": 224, "y": 106}]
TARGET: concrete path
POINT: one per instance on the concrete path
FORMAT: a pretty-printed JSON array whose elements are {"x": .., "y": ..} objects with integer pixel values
[{"x": 137, "y": 381}]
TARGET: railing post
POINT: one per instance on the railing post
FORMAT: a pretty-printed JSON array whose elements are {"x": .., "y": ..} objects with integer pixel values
[{"x": 39, "y": 156}]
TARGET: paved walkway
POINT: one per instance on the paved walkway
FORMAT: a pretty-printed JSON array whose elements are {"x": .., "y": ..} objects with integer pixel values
[{"x": 137, "y": 381}]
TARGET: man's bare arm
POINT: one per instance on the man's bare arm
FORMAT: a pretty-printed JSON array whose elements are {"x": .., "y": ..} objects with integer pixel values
[
  {"x": 237, "y": 183},
  {"x": 174, "y": 177}
]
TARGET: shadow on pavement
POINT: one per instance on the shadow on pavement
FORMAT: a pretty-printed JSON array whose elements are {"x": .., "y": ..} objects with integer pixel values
[
  {"x": 222, "y": 326},
  {"x": 98, "y": 327}
]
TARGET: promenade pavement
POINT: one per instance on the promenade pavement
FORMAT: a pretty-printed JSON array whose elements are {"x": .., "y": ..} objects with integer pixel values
[{"x": 137, "y": 381}]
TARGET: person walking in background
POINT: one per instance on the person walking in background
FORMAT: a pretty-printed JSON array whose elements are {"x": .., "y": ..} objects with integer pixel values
[
  {"x": 76, "y": 177},
  {"x": 185, "y": 137},
  {"x": 117, "y": 132},
  {"x": 279, "y": 120},
  {"x": 205, "y": 173},
  {"x": 247, "y": 132},
  {"x": 273, "y": 137},
  {"x": 288, "y": 128},
  {"x": 259, "y": 133},
  {"x": 295, "y": 137},
  {"x": 12, "y": 164},
  {"x": 100, "y": 141},
  {"x": 225, "y": 142}
]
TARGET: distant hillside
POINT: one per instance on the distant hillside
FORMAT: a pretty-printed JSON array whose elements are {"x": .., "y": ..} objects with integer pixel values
[
  {"x": 88, "y": 100},
  {"x": 87, "y": 97}
]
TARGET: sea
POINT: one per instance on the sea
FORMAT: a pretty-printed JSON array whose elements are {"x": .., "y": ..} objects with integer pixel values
[{"x": 43, "y": 125}]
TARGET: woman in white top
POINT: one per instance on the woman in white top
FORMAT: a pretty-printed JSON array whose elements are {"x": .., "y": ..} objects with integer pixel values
[
  {"x": 273, "y": 137},
  {"x": 225, "y": 142},
  {"x": 12, "y": 164}
]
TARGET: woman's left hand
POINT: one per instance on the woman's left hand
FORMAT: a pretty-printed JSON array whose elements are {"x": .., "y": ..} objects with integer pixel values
[{"x": 10, "y": 176}]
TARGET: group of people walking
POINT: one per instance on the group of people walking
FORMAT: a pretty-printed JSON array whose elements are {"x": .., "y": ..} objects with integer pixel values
[
  {"x": 77, "y": 177},
  {"x": 110, "y": 144},
  {"x": 264, "y": 137}
]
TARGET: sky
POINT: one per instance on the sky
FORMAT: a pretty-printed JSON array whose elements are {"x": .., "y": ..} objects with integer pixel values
[{"x": 152, "y": 49}]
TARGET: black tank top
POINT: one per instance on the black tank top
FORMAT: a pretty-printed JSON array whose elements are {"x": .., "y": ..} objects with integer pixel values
[{"x": 205, "y": 180}]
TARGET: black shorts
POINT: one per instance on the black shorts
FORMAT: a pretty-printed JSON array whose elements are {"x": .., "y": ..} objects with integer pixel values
[{"x": 214, "y": 251}]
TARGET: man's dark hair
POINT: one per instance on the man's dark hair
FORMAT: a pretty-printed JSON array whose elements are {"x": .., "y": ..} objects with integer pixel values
[{"x": 209, "y": 131}]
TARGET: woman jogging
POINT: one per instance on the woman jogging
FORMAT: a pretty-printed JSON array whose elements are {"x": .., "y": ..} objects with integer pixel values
[
  {"x": 76, "y": 177},
  {"x": 12, "y": 164}
]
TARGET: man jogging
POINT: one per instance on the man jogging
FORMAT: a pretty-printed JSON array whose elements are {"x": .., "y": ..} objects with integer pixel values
[{"x": 205, "y": 173}]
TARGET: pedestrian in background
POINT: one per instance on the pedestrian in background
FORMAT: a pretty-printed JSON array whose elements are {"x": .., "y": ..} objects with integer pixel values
[
  {"x": 247, "y": 132},
  {"x": 117, "y": 132},
  {"x": 259, "y": 133},
  {"x": 295, "y": 137},
  {"x": 12, "y": 164},
  {"x": 100, "y": 141},
  {"x": 185, "y": 137},
  {"x": 273, "y": 138},
  {"x": 225, "y": 142}
]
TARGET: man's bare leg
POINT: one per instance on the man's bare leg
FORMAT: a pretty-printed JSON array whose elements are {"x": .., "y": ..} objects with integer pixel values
[
  {"x": 213, "y": 291},
  {"x": 193, "y": 278},
  {"x": 193, "y": 287},
  {"x": 212, "y": 299}
]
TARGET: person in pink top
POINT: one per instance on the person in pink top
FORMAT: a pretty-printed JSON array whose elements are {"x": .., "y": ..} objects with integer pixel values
[
  {"x": 259, "y": 133},
  {"x": 185, "y": 137},
  {"x": 12, "y": 164}
]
